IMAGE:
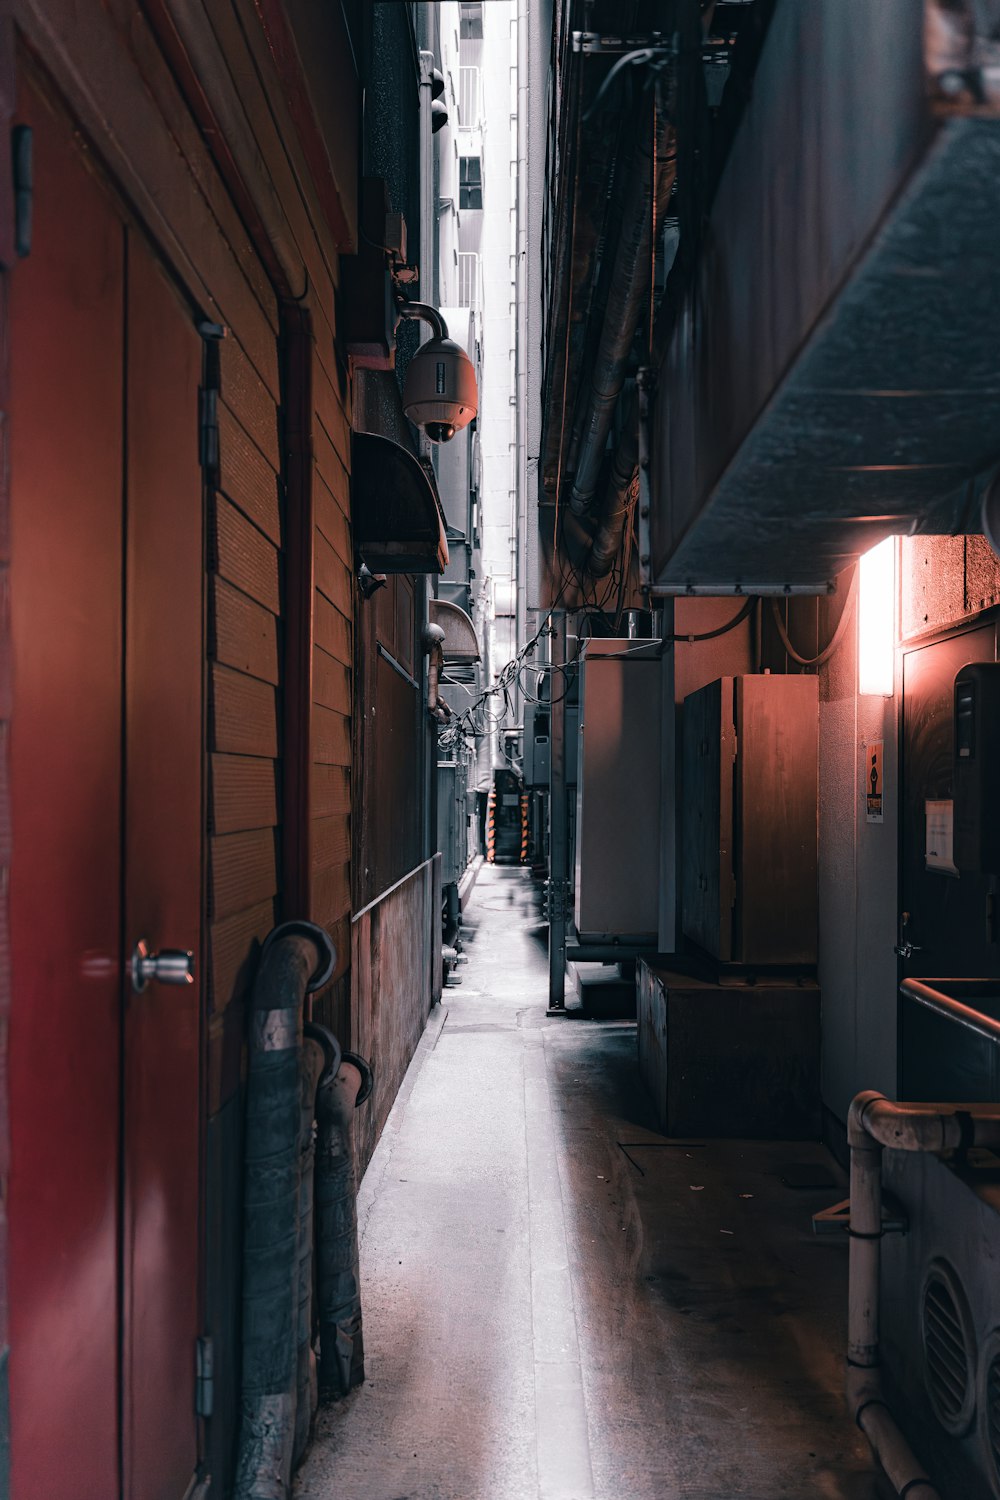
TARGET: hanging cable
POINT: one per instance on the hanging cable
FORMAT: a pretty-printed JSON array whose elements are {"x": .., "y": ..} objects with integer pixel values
[
  {"x": 835, "y": 640},
  {"x": 684, "y": 638}
]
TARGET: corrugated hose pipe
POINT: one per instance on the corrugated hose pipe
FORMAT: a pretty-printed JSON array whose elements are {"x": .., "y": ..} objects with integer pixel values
[
  {"x": 297, "y": 957},
  {"x": 338, "y": 1291}
]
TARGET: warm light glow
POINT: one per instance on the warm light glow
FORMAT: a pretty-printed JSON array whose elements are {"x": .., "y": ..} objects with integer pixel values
[{"x": 877, "y": 619}]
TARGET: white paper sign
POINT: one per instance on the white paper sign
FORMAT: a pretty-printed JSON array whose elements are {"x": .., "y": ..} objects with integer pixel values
[{"x": 939, "y": 845}]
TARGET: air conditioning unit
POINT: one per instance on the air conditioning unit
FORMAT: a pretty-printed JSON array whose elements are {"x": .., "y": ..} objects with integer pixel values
[{"x": 940, "y": 1316}]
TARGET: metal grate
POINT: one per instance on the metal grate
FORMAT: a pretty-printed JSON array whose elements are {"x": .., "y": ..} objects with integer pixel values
[
  {"x": 468, "y": 280},
  {"x": 949, "y": 1356},
  {"x": 468, "y": 98}
]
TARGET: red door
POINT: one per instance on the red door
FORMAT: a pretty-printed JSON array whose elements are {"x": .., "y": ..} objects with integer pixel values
[{"x": 106, "y": 767}]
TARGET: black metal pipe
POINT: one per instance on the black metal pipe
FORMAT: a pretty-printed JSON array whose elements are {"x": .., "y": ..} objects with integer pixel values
[
  {"x": 608, "y": 537},
  {"x": 296, "y": 958},
  {"x": 630, "y": 288}
]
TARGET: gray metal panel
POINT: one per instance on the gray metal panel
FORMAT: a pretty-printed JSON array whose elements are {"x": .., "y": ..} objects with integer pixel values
[
  {"x": 451, "y": 820},
  {"x": 618, "y": 795}
]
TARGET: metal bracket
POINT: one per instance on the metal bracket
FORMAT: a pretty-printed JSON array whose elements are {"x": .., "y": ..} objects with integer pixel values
[
  {"x": 22, "y": 149},
  {"x": 204, "y": 1388},
  {"x": 837, "y": 1220},
  {"x": 556, "y": 903}
]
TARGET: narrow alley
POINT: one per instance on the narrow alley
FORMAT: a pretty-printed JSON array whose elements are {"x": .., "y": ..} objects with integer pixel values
[
  {"x": 562, "y": 1303},
  {"x": 499, "y": 729}
]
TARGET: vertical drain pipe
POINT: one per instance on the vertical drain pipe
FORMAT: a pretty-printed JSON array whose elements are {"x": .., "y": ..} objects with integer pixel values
[
  {"x": 338, "y": 1291},
  {"x": 611, "y": 528},
  {"x": 874, "y": 1122},
  {"x": 297, "y": 958},
  {"x": 320, "y": 1059},
  {"x": 629, "y": 289}
]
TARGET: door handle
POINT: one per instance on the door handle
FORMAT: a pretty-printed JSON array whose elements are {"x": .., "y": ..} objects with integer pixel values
[
  {"x": 906, "y": 950},
  {"x": 169, "y": 966}
]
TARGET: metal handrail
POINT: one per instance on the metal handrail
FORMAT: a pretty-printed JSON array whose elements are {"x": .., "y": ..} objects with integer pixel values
[{"x": 973, "y": 1020}]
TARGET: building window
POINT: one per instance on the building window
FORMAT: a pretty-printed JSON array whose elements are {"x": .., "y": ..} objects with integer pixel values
[
  {"x": 471, "y": 22},
  {"x": 470, "y": 189}
]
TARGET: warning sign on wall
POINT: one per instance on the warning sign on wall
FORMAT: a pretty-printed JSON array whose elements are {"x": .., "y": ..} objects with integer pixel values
[{"x": 873, "y": 781}]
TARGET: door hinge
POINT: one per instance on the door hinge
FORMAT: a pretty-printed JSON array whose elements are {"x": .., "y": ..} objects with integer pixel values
[
  {"x": 208, "y": 400},
  {"x": 22, "y": 147},
  {"x": 208, "y": 430},
  {"x": 204, "y": 1386}
]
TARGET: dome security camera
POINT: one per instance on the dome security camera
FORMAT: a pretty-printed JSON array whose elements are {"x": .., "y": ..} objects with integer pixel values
[{"x": 439, "y": 393}]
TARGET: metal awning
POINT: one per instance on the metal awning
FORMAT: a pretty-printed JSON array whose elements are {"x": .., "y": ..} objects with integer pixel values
[{"x": 398, "y": 522}]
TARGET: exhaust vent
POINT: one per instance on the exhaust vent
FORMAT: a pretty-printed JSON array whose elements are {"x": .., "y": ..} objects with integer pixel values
[{"x": 949, "y": 1349}]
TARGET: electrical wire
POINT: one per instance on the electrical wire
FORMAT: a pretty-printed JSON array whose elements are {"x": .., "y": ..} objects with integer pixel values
[
  {"x": 835, "y": 640},
  {"x": 710, "y": 635}
]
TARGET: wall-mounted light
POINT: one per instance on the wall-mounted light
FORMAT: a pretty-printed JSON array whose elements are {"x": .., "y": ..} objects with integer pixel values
[{"x": 877, "y": 619}]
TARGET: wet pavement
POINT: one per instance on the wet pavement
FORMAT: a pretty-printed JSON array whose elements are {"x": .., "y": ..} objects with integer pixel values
[{"x": 560, "y": 1303}]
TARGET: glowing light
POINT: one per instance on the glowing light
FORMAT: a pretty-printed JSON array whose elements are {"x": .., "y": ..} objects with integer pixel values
[{"x": 877, "y": 619}]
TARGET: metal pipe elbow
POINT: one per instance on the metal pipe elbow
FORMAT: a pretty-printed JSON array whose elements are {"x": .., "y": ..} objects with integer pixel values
[{"x": 858, "y": 1135}]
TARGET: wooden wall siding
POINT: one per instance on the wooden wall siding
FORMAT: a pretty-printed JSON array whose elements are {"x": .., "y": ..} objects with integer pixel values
[
  {"x": 244, "y": 609},
  {"x": 390, "y": 995}
]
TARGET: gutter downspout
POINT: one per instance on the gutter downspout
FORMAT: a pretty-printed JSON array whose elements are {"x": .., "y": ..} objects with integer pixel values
[
  {"x": 433, "y": 644},
  {"x": 426, "y": 312},
  {"x": 321, "y": 1058},
  {"x": 297, "y": 958},
  {"x": 630, "y": 285},
  {"x": 521, "y": 214},
  {"x": 873, "y": 1123}
]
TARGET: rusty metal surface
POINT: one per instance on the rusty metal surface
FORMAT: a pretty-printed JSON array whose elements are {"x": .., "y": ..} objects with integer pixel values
[{"x": 831, "y": 374}]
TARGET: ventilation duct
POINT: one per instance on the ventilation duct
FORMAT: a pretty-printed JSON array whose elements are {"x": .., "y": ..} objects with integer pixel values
[{"x": 460, "y": 643}]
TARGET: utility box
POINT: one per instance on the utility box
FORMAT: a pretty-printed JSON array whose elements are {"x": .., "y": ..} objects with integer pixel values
[
  {"x": 536, "y": 745},
  {"x": 453, "y": 820},
  {"x": 749, "y": 819},
  {"x": 977, "y": 786},
  {"x": 536, "y": 758},
  {"x": 618, "y": 792}
]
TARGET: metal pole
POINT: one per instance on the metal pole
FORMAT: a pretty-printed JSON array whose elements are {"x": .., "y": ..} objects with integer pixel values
[{"x": 558, "y": 830}]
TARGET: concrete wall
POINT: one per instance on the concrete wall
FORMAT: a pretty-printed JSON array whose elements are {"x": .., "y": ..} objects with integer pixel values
[{"x": 857, "y": 884}]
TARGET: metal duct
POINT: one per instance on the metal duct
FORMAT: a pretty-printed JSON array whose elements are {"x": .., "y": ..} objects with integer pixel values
[
  {"x": 630, "y": 284},
  {"x": 608, "y": 537}
]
